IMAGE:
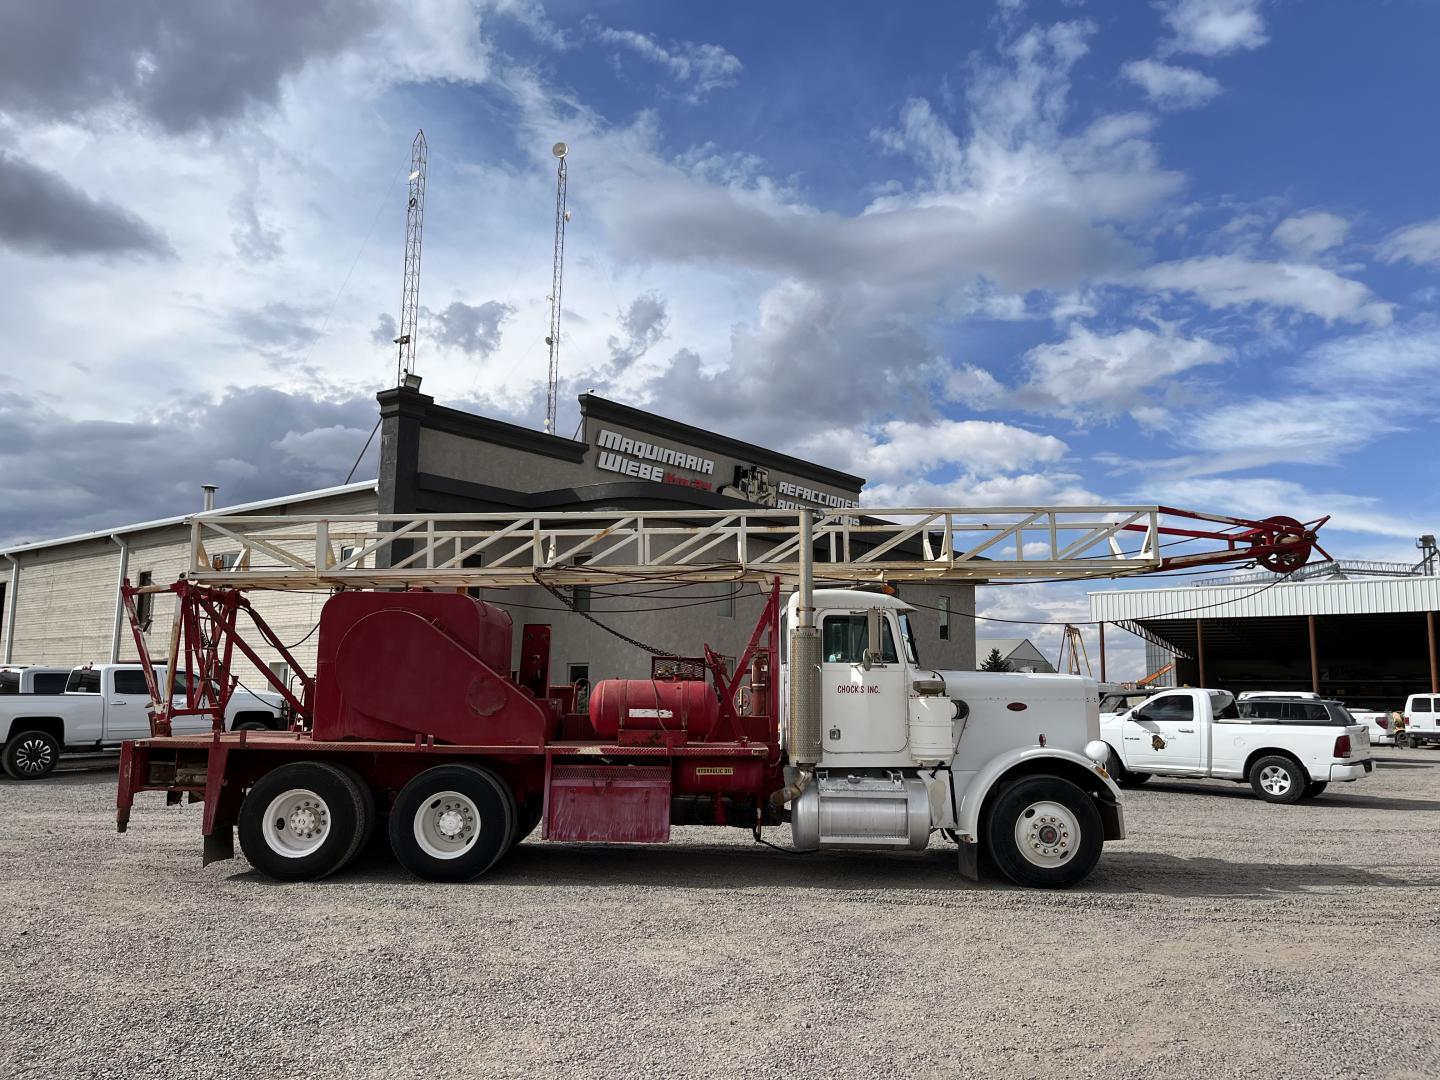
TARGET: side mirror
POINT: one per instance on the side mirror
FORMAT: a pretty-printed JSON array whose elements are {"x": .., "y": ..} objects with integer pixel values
[{"x": 872, "y": 638}]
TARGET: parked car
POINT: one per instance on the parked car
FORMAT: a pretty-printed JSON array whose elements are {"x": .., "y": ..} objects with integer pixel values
[
  {"x": 101, "y": 707},
  {"x": 33, "y": 679},
  {"x": 1422, "y": 714},
  {"x": 1378, "y": 724},
  {"x": 1287, "y": 749}
]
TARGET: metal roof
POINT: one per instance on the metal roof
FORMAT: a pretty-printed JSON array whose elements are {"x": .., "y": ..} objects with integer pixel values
[
  {"x": 242, "y": 508},
  {"x": 1372, "y": 596}
]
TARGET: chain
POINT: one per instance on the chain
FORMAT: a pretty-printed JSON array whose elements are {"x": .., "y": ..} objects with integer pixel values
[{"x": 570, "y": 603}]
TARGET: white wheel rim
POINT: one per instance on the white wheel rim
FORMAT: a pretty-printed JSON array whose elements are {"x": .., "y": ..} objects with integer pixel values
[
  {"x": 34, "y": 756},
  {"x": 296, "y": 823},
  {"x": 1047, "y": 834},
  {"x": 446, "y": 825},
  {"x": 1275, "y": 779}
]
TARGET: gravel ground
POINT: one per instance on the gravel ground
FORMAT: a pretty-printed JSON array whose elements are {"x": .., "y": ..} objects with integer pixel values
[{"x": 1227, "y": 937}]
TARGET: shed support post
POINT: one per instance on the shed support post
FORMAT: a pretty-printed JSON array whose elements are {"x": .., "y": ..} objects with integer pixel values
[
  {"x": 1200, "y": 649},
  {"x": 1434, "y": 665},
  {"x": 1314, "y": 657},
  {"x": 1102, "y": 652}
]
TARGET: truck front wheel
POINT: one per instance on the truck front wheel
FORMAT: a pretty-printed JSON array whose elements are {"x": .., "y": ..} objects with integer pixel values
[
  {"x": 303, "y": 821},
  {"x": 1044, "y": 832},
  {"x": 452, "y": 822},
  {"x": 29, "y": 755}
]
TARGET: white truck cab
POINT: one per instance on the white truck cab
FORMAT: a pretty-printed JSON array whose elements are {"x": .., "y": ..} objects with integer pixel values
[{"x": 1007, "y": 764}]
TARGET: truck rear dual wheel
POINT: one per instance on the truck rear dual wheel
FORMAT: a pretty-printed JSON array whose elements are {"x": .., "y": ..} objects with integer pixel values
[
  {"x": 1278, "y": 779},
  {"x": 29, "y": 755},
  {"x": 306, "y": 820},
  {"x": 452, "y": 822},
  {"x": 1044, "y": 832}
]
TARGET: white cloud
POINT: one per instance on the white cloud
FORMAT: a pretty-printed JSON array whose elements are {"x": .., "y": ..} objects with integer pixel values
[
  {"x": 1215, "y": 27},
  {"x": 1419, "y": 243},
  {"x": 1309, "y": 234},
  {"x": 704, "y": 67},
  {"x": 1234, "y": 281},
  {"x": 1109, "y": 373},
  {"x": 1171, "y": 87},
  {"x": 903, "y": 448},
  {"x": 1092, "y": 374}
]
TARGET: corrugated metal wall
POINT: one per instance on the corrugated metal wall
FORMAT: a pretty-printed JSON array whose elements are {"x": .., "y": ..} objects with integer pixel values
[{"x": 1364, "y": 597}]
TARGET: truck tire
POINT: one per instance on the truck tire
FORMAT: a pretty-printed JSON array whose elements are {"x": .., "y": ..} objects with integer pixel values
[
  {"x": 29, "y": 755},
  {"x": 1316, "y": 788},
  {"x": 303, "y": 821},
  {"x": 1278, "y": 779},
  {"x": 251, "y": 723},
  {"x": 528, "y": 820},
  {"x": 1044, "y": 832},
  {"x": 452, "y": 822}
]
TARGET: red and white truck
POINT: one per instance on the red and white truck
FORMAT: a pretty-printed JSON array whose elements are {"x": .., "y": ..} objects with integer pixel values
[{"x": 829, "y": 721}]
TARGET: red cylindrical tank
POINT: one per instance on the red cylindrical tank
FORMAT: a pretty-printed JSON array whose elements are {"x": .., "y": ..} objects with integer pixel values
[{"x": 646, "y": 705}]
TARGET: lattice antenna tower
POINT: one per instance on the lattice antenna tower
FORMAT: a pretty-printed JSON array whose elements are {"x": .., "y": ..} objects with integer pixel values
[
  {"x": 410, "y": 295},
  {"x": 552, "y": 339}
]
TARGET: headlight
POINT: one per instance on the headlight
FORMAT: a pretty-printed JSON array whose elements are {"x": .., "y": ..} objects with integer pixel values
[{"x": 1098, "y": 752}]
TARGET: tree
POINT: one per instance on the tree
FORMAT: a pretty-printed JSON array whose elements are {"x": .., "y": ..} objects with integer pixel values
[{"x": 995, "y": 662}]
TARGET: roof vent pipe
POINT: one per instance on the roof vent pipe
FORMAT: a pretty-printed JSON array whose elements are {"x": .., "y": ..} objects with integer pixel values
[{"x": 209, "y": 490}]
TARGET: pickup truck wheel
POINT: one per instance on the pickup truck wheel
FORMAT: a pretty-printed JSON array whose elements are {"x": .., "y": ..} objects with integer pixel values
[
  {"x": 1316, "y": 788},
  {"x": 1044, "y": 832},
  {"x": 29, "y": 755},
  {"x": 251, "y": 725},
  {"x": 302, "y": 822},
  {"x": 1132, "y": 779},
  {"x": 452, "y": 822},
  {"x": 1278, "y": 779}
]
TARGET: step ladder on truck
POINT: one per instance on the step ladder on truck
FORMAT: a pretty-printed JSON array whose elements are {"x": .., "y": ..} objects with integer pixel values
[{"x": 828, "y": 722}]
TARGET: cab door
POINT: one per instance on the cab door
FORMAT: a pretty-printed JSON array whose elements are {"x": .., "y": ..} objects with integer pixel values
[
  {"x": 1164, "y": 735},
  {"x": 865, "y": 710},
  {"x": 127, "y": 706}
]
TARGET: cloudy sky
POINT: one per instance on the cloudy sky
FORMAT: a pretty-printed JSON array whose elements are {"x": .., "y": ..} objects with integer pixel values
[{"x": 1013, "y": 252}]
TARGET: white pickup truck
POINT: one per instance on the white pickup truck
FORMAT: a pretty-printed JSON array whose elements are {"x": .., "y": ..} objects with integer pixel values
[
  {"x": 1287, "y": 750},
  {"x": 33, "y": 679},
  {"x": 101, "y": 707}
]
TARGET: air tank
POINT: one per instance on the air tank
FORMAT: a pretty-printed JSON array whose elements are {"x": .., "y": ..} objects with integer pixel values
[{"x": 618, "y": 705}]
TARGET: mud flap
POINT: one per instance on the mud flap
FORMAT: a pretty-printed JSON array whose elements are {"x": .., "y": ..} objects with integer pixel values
[
  {"x": 969, "y": 861},
  {"x": 220, "y": 845}
]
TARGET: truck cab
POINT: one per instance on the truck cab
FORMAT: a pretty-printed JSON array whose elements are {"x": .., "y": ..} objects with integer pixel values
[{"x": 989, "y": 759}]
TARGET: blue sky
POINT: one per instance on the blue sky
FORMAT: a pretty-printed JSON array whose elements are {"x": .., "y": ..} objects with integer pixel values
[{"x": 1184, "y": 252}]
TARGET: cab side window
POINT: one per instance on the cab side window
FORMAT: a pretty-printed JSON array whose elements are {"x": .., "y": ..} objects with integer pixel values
[
  {"x": 83, "y": 681},
  {"x": 1178, "y": 707},
  {"x": 844, "y": 640}
]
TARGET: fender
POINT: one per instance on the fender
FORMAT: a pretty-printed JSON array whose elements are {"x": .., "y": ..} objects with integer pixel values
[{"x": 967, "y": 824}]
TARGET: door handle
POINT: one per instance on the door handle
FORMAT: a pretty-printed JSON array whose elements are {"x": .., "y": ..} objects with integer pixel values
[
  {"x": 117, "y": 703},
  {"x": 1187, "y": 730}
]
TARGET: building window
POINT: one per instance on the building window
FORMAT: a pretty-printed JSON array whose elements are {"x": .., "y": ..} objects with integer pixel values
[
  {"x": 226, "y": 561},
  {"x": 347, "y": 551},
  {"x": 281, "y": 671},
  {"x": 145, "y": 602},
  {"x": 944, "y": 618}
]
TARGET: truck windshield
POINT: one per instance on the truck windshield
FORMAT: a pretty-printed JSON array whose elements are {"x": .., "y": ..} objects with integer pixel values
[{"x": 845, "y": 640}]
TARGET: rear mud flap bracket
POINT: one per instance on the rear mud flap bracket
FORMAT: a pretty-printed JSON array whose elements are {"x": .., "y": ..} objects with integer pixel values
[{"x": 220, "y": 845}]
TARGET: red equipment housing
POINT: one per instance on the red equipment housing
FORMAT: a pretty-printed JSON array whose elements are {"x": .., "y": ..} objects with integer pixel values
[{"x": 391, "y": 666}]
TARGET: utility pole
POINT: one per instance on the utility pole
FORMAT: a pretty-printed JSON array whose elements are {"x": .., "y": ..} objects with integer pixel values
[
  {"x": 552, "y": 339},
  {"x": 410, "y": 294}
]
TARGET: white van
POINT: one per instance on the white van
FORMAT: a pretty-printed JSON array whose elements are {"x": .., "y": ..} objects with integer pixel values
[{"x": 1422, "y": 715}]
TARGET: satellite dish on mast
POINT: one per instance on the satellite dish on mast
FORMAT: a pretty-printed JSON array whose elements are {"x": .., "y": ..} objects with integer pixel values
[{"x": 559, "y": 149}]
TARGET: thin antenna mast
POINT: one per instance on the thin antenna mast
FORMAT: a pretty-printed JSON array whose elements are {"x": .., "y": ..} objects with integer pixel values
[
  {"x": 562, "y": 215},
  {"x": 410, "y": 295}
]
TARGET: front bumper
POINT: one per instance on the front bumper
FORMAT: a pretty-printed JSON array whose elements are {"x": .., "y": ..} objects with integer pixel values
[{"x": 1351, "y": 771}]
